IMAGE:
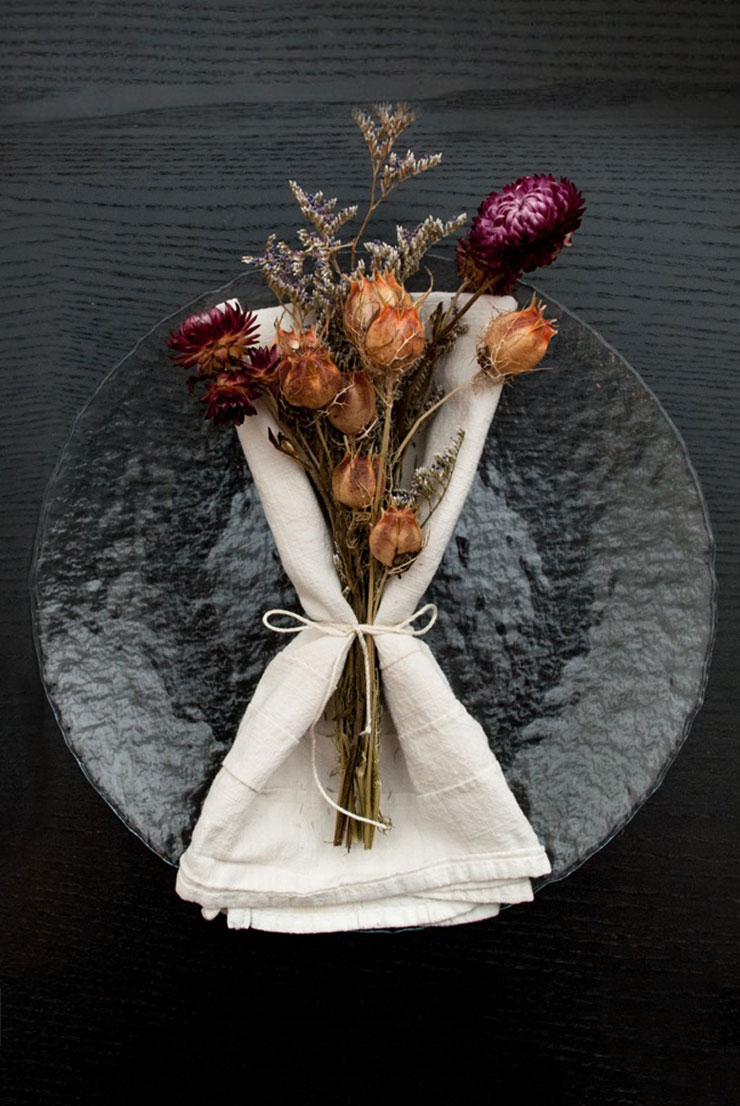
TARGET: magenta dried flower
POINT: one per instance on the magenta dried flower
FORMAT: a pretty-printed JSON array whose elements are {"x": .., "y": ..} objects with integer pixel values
[
  {"x": 214, "y": 339},
  {"x": 520, "y": 228},
  {"x": 230, "y": 396},
  {"x": 262, "y": 364}
]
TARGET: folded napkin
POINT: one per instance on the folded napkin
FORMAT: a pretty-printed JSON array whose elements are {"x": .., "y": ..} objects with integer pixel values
[{"x": 459, "y": 846}]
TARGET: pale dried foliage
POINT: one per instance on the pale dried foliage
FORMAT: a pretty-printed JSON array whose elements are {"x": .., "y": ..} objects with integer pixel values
[{"x": 312, "y": 277}]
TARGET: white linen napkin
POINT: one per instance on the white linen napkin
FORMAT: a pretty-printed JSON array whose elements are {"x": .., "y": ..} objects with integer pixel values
[{"x": 459, "y": 846}]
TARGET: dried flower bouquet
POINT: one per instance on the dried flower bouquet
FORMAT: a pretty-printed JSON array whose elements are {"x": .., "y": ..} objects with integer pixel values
[{"x": 350, "y": 387}]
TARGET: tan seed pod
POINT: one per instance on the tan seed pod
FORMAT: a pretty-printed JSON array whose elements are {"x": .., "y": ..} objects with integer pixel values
[
  {"x": 396, "y": 536},
  {"x": 355, "y": 406},
  {"x": 355, "y": 480}
]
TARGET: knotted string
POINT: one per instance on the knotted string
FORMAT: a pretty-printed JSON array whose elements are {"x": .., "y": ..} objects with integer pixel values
[{"x": 360, "y": 630}]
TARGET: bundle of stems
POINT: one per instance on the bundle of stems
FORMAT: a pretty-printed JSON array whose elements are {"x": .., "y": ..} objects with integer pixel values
[{"x": 377, "y": 525}]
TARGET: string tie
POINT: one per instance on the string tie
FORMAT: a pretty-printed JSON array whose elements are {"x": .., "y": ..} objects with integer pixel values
[{"x": 360, "y": 630}]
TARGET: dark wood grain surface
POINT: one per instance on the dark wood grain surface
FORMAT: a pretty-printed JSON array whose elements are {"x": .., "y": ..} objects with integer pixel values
[{"x": 145, "y": 149}]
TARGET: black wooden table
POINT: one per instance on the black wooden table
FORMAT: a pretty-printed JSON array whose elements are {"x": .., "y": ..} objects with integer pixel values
[{"x": 145, "y": 149}]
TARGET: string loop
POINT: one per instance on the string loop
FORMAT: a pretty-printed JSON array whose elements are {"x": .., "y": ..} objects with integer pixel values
[{"x": 360, "y": 630}]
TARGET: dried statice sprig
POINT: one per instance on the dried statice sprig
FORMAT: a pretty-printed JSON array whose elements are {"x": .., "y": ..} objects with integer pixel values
[
  {"x": 311, "y": 277},
  {"x": 417, "y": 399},
  {"x": 429, "y": 482},
  {"x": 282, "y": 268},
  {"x": 405, "y": 257},
  {"x": 380, "y": 133},
  {"x": 402, "y": 499},
  {"x": 398, "y": 169},
  {"x": 389, "y": 168},
  {"x": 320, "y": 212},
  {"x": 307, "y": 276},
  {"x": 327, "y": 286},
  {"x": 433, "y": 399}
]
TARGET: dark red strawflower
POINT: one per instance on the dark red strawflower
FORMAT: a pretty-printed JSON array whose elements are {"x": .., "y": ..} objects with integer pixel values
[
  {"x": 230, "y": 396},
  {"x": 214, "y": 339},
  {"x": 263, "y": 364},
  {"x": 520, "y": 228}
]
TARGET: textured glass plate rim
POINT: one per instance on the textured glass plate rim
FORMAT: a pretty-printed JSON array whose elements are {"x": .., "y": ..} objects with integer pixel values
[{"x": 552, "y": 303}]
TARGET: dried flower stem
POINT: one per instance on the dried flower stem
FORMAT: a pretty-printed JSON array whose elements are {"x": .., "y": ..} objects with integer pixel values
[
  {"x": 371, "y": 208},
  {"x": 454, "y": 321},
  {"x": 423, "y": 417},
  {"x": 361, "y": 764}
]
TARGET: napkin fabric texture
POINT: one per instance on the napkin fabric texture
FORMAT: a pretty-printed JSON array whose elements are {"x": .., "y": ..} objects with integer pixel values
[{"x": 460, "y": 846}]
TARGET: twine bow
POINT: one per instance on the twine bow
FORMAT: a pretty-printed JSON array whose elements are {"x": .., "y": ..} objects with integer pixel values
[{"x": 360, "y": 630}]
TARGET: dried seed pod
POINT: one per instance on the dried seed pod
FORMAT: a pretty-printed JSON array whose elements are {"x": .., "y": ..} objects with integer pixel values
[
  {"x": 355, "y": 480},
  {"x": 396, "y": 536},
  {"x": 367, "y": 297},
  {"x": 308, "y": 376},
  {"x": 354, "y": 407},
  {"x": 394, "y": 341},
  {"x": 516, "y": 341}
]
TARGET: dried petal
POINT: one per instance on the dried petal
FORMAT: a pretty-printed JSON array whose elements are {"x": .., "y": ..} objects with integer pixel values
[{"x": 263, "y": 362}]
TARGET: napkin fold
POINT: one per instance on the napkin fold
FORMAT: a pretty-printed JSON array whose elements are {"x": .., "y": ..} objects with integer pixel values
[{"x": 460, "y": 846}]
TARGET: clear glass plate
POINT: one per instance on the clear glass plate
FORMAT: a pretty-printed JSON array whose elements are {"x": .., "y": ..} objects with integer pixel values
[{"x": 576, "y": 599}]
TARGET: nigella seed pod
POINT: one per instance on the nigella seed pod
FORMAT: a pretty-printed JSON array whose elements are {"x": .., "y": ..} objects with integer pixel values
[
  {"x": 354, "y": 407},
  {"x": 367, "y": 297},
  {"x": 516, "y": 341},
  {"x": 308, "y": 376},
  {"x": 355, "y": 480},
  {"x": 396, "y": 536},
  {"x": 394, "y": 341}
]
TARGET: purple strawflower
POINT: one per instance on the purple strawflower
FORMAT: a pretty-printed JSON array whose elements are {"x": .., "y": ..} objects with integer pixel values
[
  {"x": 262, "y": 365},
  {"x": 523, "y": 226},
  {"x": 214, "y": 339},
  {"x": 230, "y": 396}
]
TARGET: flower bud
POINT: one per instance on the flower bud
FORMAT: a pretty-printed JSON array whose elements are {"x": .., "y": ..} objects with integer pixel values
[
  {"x": 230, "y": 396},
  {"x": 517, "y": 341},
  {"x": 263, "y": 362},
  {"x": 367, "y": 297},
  {"x": 394, "y": 341},
  {"x": 308, "y": 376},
  {"x": 355, "y": 480},
  {"x": 395, "y": 536},
  {"x": 354, "y": 407}
]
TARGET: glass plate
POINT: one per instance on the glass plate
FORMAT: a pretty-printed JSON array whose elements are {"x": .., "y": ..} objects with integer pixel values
[{"x": 576, "y": 599}]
